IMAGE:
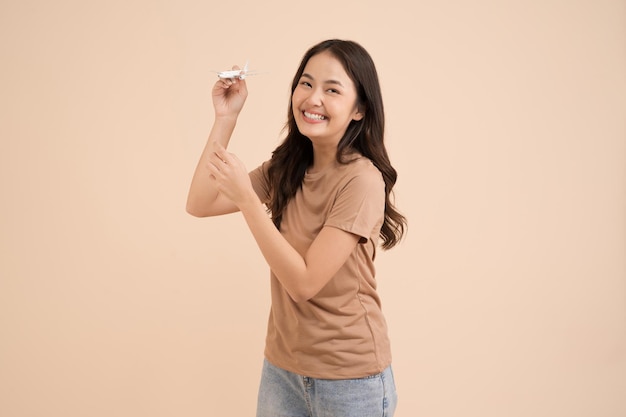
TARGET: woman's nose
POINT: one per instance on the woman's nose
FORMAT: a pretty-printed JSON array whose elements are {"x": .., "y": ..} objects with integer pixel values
[{"x": 315, "y": 97}]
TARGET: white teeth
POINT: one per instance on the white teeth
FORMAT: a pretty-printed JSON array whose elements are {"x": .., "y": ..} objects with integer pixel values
[{"x": 314, "y": 116}]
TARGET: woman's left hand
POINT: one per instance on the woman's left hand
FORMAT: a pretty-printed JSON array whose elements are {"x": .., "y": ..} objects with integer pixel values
[{"x": 231, "y": 175}]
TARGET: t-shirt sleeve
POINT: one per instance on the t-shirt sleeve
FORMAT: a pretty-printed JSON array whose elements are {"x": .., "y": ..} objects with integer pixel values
[
  {"x": 359, "y": 206},
  {"x": 260, "y": 182}
]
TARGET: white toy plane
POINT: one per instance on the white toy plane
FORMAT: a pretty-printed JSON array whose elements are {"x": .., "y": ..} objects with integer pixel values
[{"x": 240, "y": 73}]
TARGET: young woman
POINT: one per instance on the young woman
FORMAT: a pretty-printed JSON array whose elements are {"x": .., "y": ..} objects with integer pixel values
[{"x": 327, "y": 188}]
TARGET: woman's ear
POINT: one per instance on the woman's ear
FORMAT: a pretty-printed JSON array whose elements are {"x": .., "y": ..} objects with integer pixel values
[{"x": 359, "y": 113}]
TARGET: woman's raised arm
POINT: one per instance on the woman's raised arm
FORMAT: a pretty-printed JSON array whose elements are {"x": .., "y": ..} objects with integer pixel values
[{"x": 203, "y": 199}]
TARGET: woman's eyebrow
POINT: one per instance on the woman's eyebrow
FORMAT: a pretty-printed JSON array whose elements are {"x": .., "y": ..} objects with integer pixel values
[{"x": 309, "y": 76}]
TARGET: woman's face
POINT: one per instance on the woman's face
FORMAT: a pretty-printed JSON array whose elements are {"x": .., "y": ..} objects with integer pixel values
[{"x": 325, "y": 100}]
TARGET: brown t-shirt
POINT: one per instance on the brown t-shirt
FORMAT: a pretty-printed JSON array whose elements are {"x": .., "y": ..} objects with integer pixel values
[{"x": 340, "y": 333}]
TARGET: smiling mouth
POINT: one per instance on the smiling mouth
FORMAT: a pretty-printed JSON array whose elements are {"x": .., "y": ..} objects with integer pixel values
[{"x": 313, "y": 116}]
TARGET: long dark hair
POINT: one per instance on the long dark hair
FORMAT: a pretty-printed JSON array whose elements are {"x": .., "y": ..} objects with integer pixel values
[{"x": 294, "y": 155}]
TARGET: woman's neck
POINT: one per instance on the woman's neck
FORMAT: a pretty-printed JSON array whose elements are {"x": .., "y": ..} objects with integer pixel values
[{"x": 322, "y": 159}]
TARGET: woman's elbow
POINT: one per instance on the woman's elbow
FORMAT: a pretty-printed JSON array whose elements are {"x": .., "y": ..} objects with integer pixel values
[
  {"x": 194, "y": 210},
  {"x": 302, "y": 295}
]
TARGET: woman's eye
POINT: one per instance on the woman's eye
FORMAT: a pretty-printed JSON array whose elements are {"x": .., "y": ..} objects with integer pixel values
[
  {"x": 305, "y": 83},
  {"x": 332, "y": 90}
]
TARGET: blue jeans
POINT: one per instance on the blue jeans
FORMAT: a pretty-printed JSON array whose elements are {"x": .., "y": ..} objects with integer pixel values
[{"x": 285, "y": 394}]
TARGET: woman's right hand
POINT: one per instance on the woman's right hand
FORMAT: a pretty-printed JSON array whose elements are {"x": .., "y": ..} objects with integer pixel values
[{"x": 229, "y": 96}]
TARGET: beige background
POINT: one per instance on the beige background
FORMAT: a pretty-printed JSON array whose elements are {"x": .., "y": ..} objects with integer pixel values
[{"x": 506, "y": 122}]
